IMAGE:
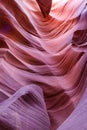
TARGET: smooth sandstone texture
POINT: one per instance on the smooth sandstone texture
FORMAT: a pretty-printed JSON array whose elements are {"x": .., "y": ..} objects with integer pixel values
[{"x": 43, "y": 64}]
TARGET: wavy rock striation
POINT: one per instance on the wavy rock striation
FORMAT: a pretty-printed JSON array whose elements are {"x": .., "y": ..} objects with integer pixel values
[{"x": 43, "y": 62}]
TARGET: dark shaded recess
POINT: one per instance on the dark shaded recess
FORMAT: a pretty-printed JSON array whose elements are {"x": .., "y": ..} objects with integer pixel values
[
  {"x": 79, "y": 37},
  {"x": 2, "y": 43},
  {"x": 45, "y": 7},
  {"x": 54, "y": 97},
  {"x": 5, "y": 126},
  {"x": 5, "y": 25},
  {"x": 27, "y": 98},
  {"x": 23, "y": 20},
  {"x": 7, "y": 28},
  {"x": 57, "y": 99},
  {"x": 30, "y": 99}
]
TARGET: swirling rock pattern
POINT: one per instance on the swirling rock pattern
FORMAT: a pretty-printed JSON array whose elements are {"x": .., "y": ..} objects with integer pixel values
[{"x": 43, "y": 63}]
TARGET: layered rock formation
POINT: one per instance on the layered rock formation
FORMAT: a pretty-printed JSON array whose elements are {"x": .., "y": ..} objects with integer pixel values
[{"x": 43, "y": 62}]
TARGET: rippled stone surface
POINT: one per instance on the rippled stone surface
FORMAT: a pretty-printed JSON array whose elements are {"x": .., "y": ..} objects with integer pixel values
[{"x": 43, "y": 64}]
